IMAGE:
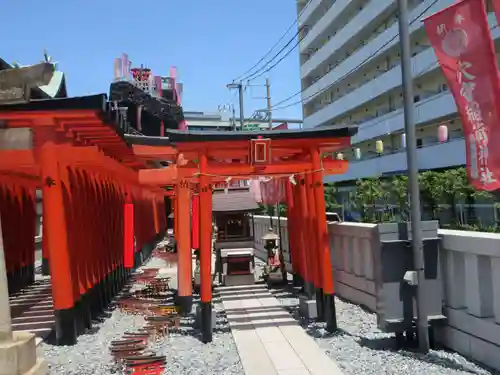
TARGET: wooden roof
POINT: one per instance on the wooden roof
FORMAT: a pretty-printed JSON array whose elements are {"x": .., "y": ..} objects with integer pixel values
[
  {"x": 182, "y": 136},
  {"x": 86, "y": 120},
  {"x": 234, "y": 201}
]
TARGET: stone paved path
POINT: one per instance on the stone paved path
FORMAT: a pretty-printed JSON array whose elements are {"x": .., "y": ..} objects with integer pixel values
[{"x": 268, "y": 339}]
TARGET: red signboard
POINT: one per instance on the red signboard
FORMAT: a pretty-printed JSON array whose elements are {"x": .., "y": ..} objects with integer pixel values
[
  {"x": 140, "y": 74},
  {"x": 260, "y": 151},
  {"x": 461, "y": 38}
]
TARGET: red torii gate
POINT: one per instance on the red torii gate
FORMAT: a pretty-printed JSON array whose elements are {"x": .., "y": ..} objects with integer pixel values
[
  {"x": 73, "y": 151},
  {"x": 200, "y": 158}
]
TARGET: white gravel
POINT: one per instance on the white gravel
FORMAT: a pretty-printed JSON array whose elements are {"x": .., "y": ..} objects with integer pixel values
[
  {"x": 361, "y": 348},
  {"x": 186, "y": 354}
]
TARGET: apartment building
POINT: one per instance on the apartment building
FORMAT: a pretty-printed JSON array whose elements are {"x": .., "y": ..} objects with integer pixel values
[{"x": 338, "y": 36}]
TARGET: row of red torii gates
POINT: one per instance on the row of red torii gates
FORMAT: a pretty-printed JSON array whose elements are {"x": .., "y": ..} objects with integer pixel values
[{"x": 89, "y": 171}]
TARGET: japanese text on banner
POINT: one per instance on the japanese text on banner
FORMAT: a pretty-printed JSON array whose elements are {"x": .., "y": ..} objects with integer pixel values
[{"x": 462, "y": 41}]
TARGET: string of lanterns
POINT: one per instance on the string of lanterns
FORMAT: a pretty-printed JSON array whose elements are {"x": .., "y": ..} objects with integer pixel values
[{"x": 443, "y": 136}]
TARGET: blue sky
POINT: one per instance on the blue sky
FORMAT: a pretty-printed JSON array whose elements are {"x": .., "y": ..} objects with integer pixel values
[{"x": 210, "y": 41}]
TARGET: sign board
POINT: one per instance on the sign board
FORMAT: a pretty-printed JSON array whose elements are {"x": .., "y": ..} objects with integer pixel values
[
  {"x": 16, "y": 82},
  {"x": 167, "y": 310},
  {"x": 260, "y": 152},
  {"x": 251, "y": 127},
  {"x": 16, "y": 139}
]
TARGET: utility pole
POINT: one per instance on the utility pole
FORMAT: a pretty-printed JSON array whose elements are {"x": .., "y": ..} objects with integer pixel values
[
  {"x": 269, "y": 110},
  {"x": 411, "y": 156},
  {"x": 239, "y": 86},
  {"x": 233, "y": 118},
  {"x": 270, "y": 119}
]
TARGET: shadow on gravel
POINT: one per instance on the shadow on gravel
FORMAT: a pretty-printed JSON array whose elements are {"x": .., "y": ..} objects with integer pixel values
[
  {"x": 316, "y": 330},
  {"x": 188, "y": 324}
]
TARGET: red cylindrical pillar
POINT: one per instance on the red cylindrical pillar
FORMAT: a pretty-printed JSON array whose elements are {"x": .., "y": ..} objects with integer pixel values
[
  {"x": 303, "y": 207},
  {"x": 323, "y": 243},
  {"x": 292, "y": 234},
  {"x": 313, "y": 239},
  {"x": 184, "y": 254},
  {"x": 205, "y": 230},
  {"x": 60, "y": 269},
  {"x": 195, "y": 221}
]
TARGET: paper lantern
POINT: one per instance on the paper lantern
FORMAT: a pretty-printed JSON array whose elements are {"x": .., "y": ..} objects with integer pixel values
[
  {"x": 357, "y": 153},
  {"x": 403, "y": 140},
  {"x": 340, "y": 156},
  {"x": 379, "y": 147},
  {"x": 443, "y": 133}
]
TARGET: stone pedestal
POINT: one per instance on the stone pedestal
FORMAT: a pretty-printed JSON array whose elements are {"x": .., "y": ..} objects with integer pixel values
[
  {"x": 18, "y": 356},
  {"x": 308, "y": 307}
]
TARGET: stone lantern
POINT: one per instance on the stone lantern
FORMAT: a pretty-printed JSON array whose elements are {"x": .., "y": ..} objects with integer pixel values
[{"x": 274, "y": 270}]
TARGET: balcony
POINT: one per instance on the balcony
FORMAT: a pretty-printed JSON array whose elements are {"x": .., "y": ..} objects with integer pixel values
[
  {"x": 319, "y": 28},
  {"x": 377, "y": 45},
  {"x": 310, "y": 7},
  {"x": 373, "y": 11},
  {"x": 423, "y": 63},
  {"x": 434, "y": 156},
  {"x": 435, "y": 107}
]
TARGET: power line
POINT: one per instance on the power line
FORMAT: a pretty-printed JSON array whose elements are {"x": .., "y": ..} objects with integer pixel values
[
  {"x": 418, "y": 104},
  {"x": 350, "y": 72},
  {"x": 256, "y": 74},
  {"x": 274, "y": 46}
]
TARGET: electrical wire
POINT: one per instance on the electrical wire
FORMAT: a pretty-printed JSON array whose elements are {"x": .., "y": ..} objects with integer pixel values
[
  {"x": 349, "y": 73},
  {"x": 274, "y": 46},
  {"x": 261, "y": 70},
  {"x": 395, "y": 113}
]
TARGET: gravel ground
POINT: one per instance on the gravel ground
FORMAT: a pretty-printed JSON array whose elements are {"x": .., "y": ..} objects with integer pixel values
[
  {"x": 186, "y": 354},
  {"x": 361, "y": 348}
]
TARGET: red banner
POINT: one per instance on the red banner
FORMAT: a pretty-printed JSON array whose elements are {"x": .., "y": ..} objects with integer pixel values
[{"x": 461, "y": 38}]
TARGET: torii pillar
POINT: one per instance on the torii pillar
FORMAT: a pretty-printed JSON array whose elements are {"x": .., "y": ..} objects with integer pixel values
[
  {"x": 206, "y": 317},
  {"x": 328, "y": 292},
  {"x": 182, "y": 219}
]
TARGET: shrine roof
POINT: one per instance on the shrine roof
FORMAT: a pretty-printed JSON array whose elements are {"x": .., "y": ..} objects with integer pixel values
[
  {"x": 92, "y": 102},
  {"x": 234, "y": 201},
  {"x": 182, "y": 136},
  {"x": 127, "y": 92},
  {"x": 85, "y": 120}
]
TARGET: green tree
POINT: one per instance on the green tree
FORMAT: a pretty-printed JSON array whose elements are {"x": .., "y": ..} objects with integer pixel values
[
  {"x": 368, "y": 192},
  {"x": 431, "y": 190},
  {"x": 399, "y": 191},
  {"x": 330, "y": 200}
]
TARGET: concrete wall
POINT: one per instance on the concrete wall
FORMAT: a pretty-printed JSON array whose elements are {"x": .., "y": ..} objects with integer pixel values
[{"x": 470, "y": 264}]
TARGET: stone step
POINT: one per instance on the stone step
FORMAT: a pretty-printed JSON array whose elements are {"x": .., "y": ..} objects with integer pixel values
[
  {"x": 32, "y": 319},
  {"x": 44, "y": 324},
  {"x": 33, "y": 298},
  {"x": 38, "y": 332},
  {"x": 39, "y": 305},
  {"x": 43, "y": 312}
]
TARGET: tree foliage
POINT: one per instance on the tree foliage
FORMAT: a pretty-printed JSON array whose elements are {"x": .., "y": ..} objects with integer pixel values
[{"x": 387, "y": 199}]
